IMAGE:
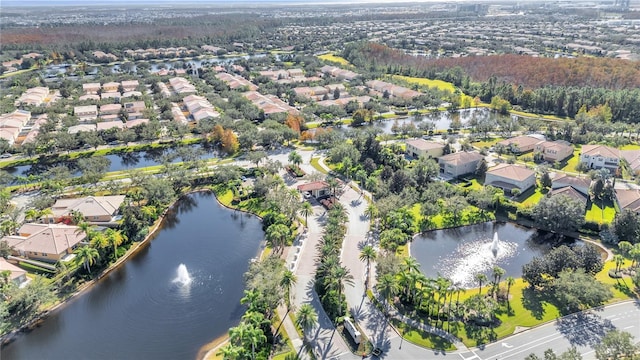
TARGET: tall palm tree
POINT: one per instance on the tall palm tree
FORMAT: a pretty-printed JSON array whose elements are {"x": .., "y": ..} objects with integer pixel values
[
  {"x": 276, "y": 234},
  {"x": 510, "y": 282},
  {"x": 288, "y": 280},
  {"x": 497, "y": 274},
  {"x": 295, "y": 158},
  {"x": 333, "y": 185},
  {"x": 368, "y": 254},
  {"x": 45, "y": 213},
  {"x": 115, "y": 238},
  {"x": 388, "y": 287},
  {"x": 306, "y": 317},
  {"x": 306, "y": 210},
  {"x": 251, "y": 299},
  {"x": 410, "y": 265},
  {"x": 86, "y": 228},
  {"x": 339, "y": 276},
  {"x": 230, "y": 352},
  {"x": 480, "y": 278},
  {"x": 31, "y": 214},
  {"x": 87, "y": 255},
  {"x": 255, "y": 337},
  {"x": 619, "y": 260}
]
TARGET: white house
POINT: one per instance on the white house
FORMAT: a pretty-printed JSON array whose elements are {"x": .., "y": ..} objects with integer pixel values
[
  {"x": 600, "y": 156},
  {"x": 460, "y": 163}
]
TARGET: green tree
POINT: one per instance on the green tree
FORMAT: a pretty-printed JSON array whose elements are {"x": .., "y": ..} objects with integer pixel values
[
  {"x": 480, "y": 278},
  {"x": 616, "y": 344},
  {"x": 577, "y": 290},
  {"x": 115, "y": 238},
  {"x": 287, "y": 281},
  {"x": 306, "y": 317},
  {"x": 306, "y": 210},
  {"x": 559, "y": 213},
  {"x": 388, "y": 287},
  {"x": 368, "y": 254},
  {"x": 87, "y": 256},
  {"x": 277, "y": 235},
  {"x": 295, "y": 158}
]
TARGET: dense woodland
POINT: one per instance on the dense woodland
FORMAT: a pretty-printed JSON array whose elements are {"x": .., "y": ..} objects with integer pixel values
[{"x": 540, "y": 85}]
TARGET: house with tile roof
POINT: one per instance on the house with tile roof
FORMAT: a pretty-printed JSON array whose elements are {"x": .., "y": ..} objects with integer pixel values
[
  {"x": 510, "y": 176},
  {"x": 628, "y": 199},
  {"x": 45, "y": 242},
  {"x": 600, "y": 156},
  {"x": 421, "y": 147},
  {"x": 17, "y": 275},
  {"x": 94, "y": 209},
  {"x": 578, "y": 183},
  {"x": 521, "y": 144},
  {"x": 459, "y": 163}
]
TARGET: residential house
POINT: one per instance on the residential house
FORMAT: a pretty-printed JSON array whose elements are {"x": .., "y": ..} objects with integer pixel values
[
  {"x": 178, "y": 115},
  {"x": 94, "y": 209},
  {"x": 632, "y": 157},
  {"x": 521, "y": 144},
  {"x": 339, "y": 73},
  {"x": 110, "y": 87},
  {"x": 91, "y": 88},
  {"x": 45, "y": 242},
  {"x": 17, "y": 275},
  {"x": 553, "y": 151},
  {"x": 110, "y": 95},
  {"x": 164, "y": 90},
  {"x": 571, "y": 193},
  {"x": 181, "y": 85},
  {"x": 11, "y": 124},
  {"x": 33, "y": 96},
  {"x": 106, "y": 125},
  {"x": 110, "y": 109},
  {"x": 393, "y": 90},
  {"x": 129, "y": 85},
  {"x": 459, "y": 163},
  {"x": 270, "y": 104},
  {"x": 86, "y": 112},
  {"x": 628, "y": 199},
  {"x": 316, "y": 188},
  {"x": 421, "y": 147},
  {"x": 509, "y": 176},
  {"x": 134, "y": 109},
  {"x": 131, "y": 123},
  {"x": 236, "y": 81},
  {"x": 600, "y": 156},
  {"x": 561, "y": 180}
]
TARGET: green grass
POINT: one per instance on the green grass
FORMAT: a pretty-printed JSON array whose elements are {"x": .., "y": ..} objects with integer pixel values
[
  {"x": 538, "y": 116},
  {"x": 487, "y": 143},
  {"x": 334, "y": 58},
  {"x": 315, "y": 162},
  {"x": 622, "y": 289},
  {"x": 534, "y": 198},
  {"x": 423, "y": 338},
  {"x": 595, "y": 213},
  {"x": 438, "y": 84},
  {"x": 630, "y": 147},
  {"x": 572, "y": 162}
]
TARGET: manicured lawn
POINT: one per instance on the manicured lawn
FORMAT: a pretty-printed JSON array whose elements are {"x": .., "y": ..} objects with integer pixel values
[
  {"x": 546, "y": 117},
  {"x": 534, "y": 198},
  {"x": 622, "y": 289},
  {"x": 573, "y": 161},
  {"x": 423, "y": 338},
  {"x": 630, "y": 147},
  {"x": 439, "y": 84},
  {"x": 489, "y": 142},
  {"x": 595, "y": 213},
  {"x": 334, "y": 58},
  {"x": 315, "y": 162}
]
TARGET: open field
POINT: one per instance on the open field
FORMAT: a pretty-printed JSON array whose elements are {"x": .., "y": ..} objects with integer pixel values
[
  {"x": 438, "y": 84},
  {"x": 335, "y": 58}
]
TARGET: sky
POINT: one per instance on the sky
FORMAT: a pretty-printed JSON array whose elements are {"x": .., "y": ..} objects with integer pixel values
[{"x": 4, "y": 3}]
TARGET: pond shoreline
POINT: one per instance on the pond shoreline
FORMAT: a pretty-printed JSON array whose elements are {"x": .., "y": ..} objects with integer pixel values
[{"x": 157, "y": 225}]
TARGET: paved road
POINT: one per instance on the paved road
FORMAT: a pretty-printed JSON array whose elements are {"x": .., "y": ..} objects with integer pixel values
[{"x": 583, "y": 330}]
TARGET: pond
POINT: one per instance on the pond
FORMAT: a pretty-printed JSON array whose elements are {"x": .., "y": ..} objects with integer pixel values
[
  {"x": 123, "y": 161},
  {"x": 146, "y": 309},
  {"x": 461, "y": 253}
]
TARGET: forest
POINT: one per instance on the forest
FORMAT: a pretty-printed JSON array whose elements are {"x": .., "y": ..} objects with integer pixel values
[{"x": 540, "y": 85}]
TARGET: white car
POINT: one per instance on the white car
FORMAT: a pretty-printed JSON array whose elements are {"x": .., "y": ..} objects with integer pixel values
[
  {"x": 307, "y": 195},
  {"x": 5, "y": 156}
]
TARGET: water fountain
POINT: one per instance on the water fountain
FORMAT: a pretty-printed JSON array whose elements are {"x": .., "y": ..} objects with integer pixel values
[
  {"x": 495, "y": 244},
  {"x": 183, "y": 277}
]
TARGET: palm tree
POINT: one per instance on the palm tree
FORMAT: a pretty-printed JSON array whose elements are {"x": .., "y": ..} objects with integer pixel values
[
  {"x": 250, "y": 298},
  {"x": 305, "y": 211},
  {"x": 31, "y": 214},
  {"x": 8, "y": 227},
  {"x": 388, "y": 287},
  {"x": 497, "y": 274},
  {"x": 306, "y": 317},
  {"x": 230, "y": 352},
  {"x": 86, "y": 228},
  {"x": 288, "y": 280},
  {"x": 480, "y": 278},
  {"x": 77, "y": 217},
  {"x": 295, "y": 158},
  {"x": 510, "y": 282},
  {"x": 115, "y": 238},
  {"x": 255, "y": 337},
  {"x": 333, "y": 185},
  {"x": 276, "y": 235},
  {"x": 619, "y": 259},
  {"x": 45, "y": 213},
  {"x": 410, "y": 265},
  {"x": 339, "y": 276},
  {"x": 368, "y": 254},
  {"x": 87, "y": 255}
]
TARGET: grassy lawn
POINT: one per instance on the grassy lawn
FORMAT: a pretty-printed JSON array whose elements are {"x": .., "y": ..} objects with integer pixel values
[
  {"x": 622, "y": 289},
  {"x": 334, "y": 58},
  {"x": 423, "y": 338},
  {"x": 538, "y": 116},
  {"x": 573, "y": 161},
  {"x": 489, "y": 142},
  {"x": 630, "y": 147},
  {"x": 439, "y": 84},
  {"x": 315, "y": 162},
  {"x": 529, "y": 200},
  {"x": 596, "y": 214}
]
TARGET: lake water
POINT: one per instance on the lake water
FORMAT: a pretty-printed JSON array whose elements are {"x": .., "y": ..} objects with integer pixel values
[
  {"x": 462, "y": 252},
  {"x": 139, "y": 312}
]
